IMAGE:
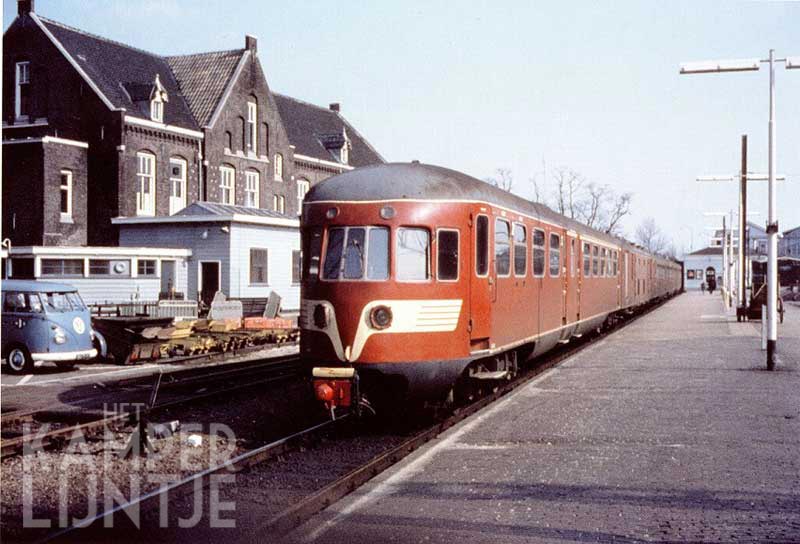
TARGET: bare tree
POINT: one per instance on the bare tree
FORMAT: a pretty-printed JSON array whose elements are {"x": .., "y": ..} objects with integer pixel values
[
  {"x": 649, "y": 236},
  {"x": 503, "y": 179}
]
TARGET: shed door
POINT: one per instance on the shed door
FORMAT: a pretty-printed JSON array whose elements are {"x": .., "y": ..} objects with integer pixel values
[
  {"x": 209, "y": 281},
  {"x": 481, "y": 283}
]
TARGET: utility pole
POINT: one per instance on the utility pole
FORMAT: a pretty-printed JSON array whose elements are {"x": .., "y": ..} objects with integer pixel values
[
  {"x": 742, "y": 229},
  {"x": 724, "y": 262}
]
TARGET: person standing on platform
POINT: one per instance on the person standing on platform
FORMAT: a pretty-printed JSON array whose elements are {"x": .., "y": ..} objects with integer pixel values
[
  {"x": 712, "y": 285},
  {"x": 703, "y": 288}
]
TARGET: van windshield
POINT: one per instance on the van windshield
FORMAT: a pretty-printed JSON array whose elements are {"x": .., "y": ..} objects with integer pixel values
[{"x": 62, "y": 302}]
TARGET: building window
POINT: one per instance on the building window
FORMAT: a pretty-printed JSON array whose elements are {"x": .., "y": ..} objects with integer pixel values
[
  {"x": 344, "y": 154},
  {"x": 228, "y": 141},
  {"x": 555, "y": 255},
  {"x": 146, "y": 267},
  {"x": 266, "y": 140},
  {"x": 251, "y": 188},
  {"x": 258, "y": 266},
  {"x": 243, "y": 132},
  {"x": 23, "y": 90},
  {"x": 538, "y": 252},
  {"x": 296, "y": 259},
  {"x": 279, "y": 203},
  {"x": 146, "y": 184},
  {"x": 177, "y": 185},
  {"x": 278, "y": 167},
  {"x": 66, "y": 194},
  {"x": 157, "y": 110},
  {"x": 251, "y": 131},
  {"x": 303, "y": 186},
  {"x": 62, "y": 267},
  {"x": 227, "y": 185}
]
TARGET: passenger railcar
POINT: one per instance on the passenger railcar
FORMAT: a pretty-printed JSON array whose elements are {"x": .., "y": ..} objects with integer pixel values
[{"x": 417, "y": 277}]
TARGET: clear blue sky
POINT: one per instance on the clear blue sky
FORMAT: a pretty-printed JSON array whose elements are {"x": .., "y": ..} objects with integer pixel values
[{"x": 480, "y": 85}]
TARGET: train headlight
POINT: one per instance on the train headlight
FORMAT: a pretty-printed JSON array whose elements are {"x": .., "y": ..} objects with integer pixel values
[
  {"x": 320, "y": 316},
  {"x": 59, "y": 337},
  {"x": 380, "y": 317}
]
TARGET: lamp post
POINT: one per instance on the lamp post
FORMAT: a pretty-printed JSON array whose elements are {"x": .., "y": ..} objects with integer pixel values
[{"x": 745, "y": 65}]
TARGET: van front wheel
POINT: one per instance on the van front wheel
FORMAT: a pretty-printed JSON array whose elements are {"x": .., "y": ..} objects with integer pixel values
[{"x": 19, "y": 360}]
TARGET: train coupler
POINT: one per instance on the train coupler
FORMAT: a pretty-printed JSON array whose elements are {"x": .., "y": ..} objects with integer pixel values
[{"x": 337, "y": 387}]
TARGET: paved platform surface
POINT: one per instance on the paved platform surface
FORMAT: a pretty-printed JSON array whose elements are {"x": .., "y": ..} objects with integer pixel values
[{"x": 667, "y": 431}]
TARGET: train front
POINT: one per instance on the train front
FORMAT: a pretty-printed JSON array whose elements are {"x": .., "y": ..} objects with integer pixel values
[{"x": 383, "y": 314}]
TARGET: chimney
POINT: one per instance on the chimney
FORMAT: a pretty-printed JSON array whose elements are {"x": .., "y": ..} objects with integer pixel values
[
  {"x": 250, "y": 43},
  {"x": 24, "y": 7},
  {"x": 335, "y": 107}
]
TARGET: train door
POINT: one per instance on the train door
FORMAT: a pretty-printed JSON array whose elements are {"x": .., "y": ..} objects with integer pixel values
[
  {"x": 482, "y": 291},
  {"x": 571, "y": 278},
  {"x": 626, "y": 275},
  {"x": 505, "y": 303}
]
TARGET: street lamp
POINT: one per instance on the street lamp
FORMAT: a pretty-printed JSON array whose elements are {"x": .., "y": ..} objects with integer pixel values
[{"x": 746, "y": 65}]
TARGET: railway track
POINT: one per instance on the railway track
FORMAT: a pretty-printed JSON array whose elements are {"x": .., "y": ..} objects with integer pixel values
[
  {"x": 316, "y": 500},
  {"x": 175, "y": 389}
]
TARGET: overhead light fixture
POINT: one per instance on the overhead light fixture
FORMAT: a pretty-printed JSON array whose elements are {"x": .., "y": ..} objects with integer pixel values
[{"x": 709, "y": 66}]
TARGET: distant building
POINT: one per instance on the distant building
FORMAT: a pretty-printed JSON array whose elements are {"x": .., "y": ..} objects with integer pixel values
[{"x": 96, "y": 132}]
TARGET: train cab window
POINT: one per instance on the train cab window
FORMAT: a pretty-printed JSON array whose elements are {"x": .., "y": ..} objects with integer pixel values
[
  {"x": 603, "y": 259},
  {"x": 555, "y": 255},
  {"x": 520, "y": 250},
  {"x": 587, "y": 260},
  {"x": 351, "y": 248},
  {"x": 482, "y": 245},
  {"x": 413, "y": 250},
  {"x": 502, "y": 248},
  {"x": 313, "y": 249},
  {"x": 538, "y": 252},
  {"x": 447, "y": 255},
  {"x": 595, "y": 261}
]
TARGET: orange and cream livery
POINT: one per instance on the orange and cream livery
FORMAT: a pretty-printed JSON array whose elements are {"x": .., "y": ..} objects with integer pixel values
[{"x": 417, "y": 278}]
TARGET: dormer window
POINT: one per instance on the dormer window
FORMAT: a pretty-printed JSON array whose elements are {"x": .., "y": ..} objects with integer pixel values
[{"x": 157, "y": 98}]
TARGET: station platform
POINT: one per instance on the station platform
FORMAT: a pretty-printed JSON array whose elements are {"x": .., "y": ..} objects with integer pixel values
[{"x": 670, "y": 430}]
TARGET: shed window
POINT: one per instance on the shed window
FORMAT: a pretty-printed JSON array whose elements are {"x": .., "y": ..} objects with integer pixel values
[
  {"x": 482, "y": 245},
  {"x": 595, "y": 261},
  {"x": 258, "y": 266},
  {"x": 62, "y": 267},
  {"x": 502, "y": 247},
  {"x": 538, "y": 252},
  {"x": 587, "y": 260},
  {"x": 555, "y": 255},
  {"x": 413, "y": 254},
  {"x": 447, "y": 255},
  {"x": 146, "y": 267},
  {"x": 520, "y": 250}
]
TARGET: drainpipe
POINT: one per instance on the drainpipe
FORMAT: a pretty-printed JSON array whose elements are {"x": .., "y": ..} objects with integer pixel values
[{"x": 201, "y": 189}]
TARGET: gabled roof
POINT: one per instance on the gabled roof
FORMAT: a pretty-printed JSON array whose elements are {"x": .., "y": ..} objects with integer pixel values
[
  {"x": 203, "y": 78},
  {"x": 116, "y": 69},
  {"x": 712, "y": 250},
  {"x": 309, "y": 127}
]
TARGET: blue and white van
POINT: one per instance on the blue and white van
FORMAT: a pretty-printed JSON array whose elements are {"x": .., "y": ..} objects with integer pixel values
[{"x": 44, "y": 321}]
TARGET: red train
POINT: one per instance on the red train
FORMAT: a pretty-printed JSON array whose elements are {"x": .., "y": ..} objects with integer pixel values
[{"x": 417, "y": 277}]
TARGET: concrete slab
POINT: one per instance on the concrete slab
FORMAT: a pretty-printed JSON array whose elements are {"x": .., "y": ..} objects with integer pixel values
[{"x": 669, "y": 430}]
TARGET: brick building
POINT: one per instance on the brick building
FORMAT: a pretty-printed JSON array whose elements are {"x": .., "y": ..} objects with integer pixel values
[{"x": 95, "y": 130}]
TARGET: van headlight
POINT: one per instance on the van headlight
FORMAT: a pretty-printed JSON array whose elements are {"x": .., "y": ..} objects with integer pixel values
[
  {"x": 59, "y": 336},
  {"x": 380, "y": 317}
]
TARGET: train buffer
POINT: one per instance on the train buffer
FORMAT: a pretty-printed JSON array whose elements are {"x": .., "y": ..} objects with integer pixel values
[{"x": 668, "y": 430}]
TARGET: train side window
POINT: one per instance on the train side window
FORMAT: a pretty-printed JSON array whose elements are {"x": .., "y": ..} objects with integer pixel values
[
  {"x": 538, "y": 252},
  {"x": 482, "y": 245},
  {"x": 502, "y": 247},
  {"x": 333, "y": 255},
  {"x": 603, "y": 259},
  {"x": 520, "y": 250},
  {"x": 555, "y": 255},
  {"x": 572, "y": 258},
  {"x": 587, "y": 260},
  {"x": 595, "y": 261},
  {"x": 412, "y": 256},
  {"x": 616, "y": 264},
  {"x": 447, "y": 255},
  {"x": 312, "y": 253}
]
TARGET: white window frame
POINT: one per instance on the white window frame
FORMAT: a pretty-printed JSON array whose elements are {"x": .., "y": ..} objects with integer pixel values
[
  {"x": 145, "y": 205},
  {"x": 251, "y": 188},
  {"x": 227, "y": 185},
  {"x": 18, "y": 82},
  {"x": 543, "y": 248},
  {"x": 252, "y": 125},
  {"x": 65, "y": 215},
  {"x": 303, "y": 186},
  {"x": 279, "y": 203},
  {"x": 514, "y": 244},
  {"x": 177, "y": 203},
  {"x": 250, "y": 267},
  {"x": 345, "y": 154},
  {"x": 157, "y": 110},
  {"x": 550, "y": 250},
  {"x": 278, "y": 167}
]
